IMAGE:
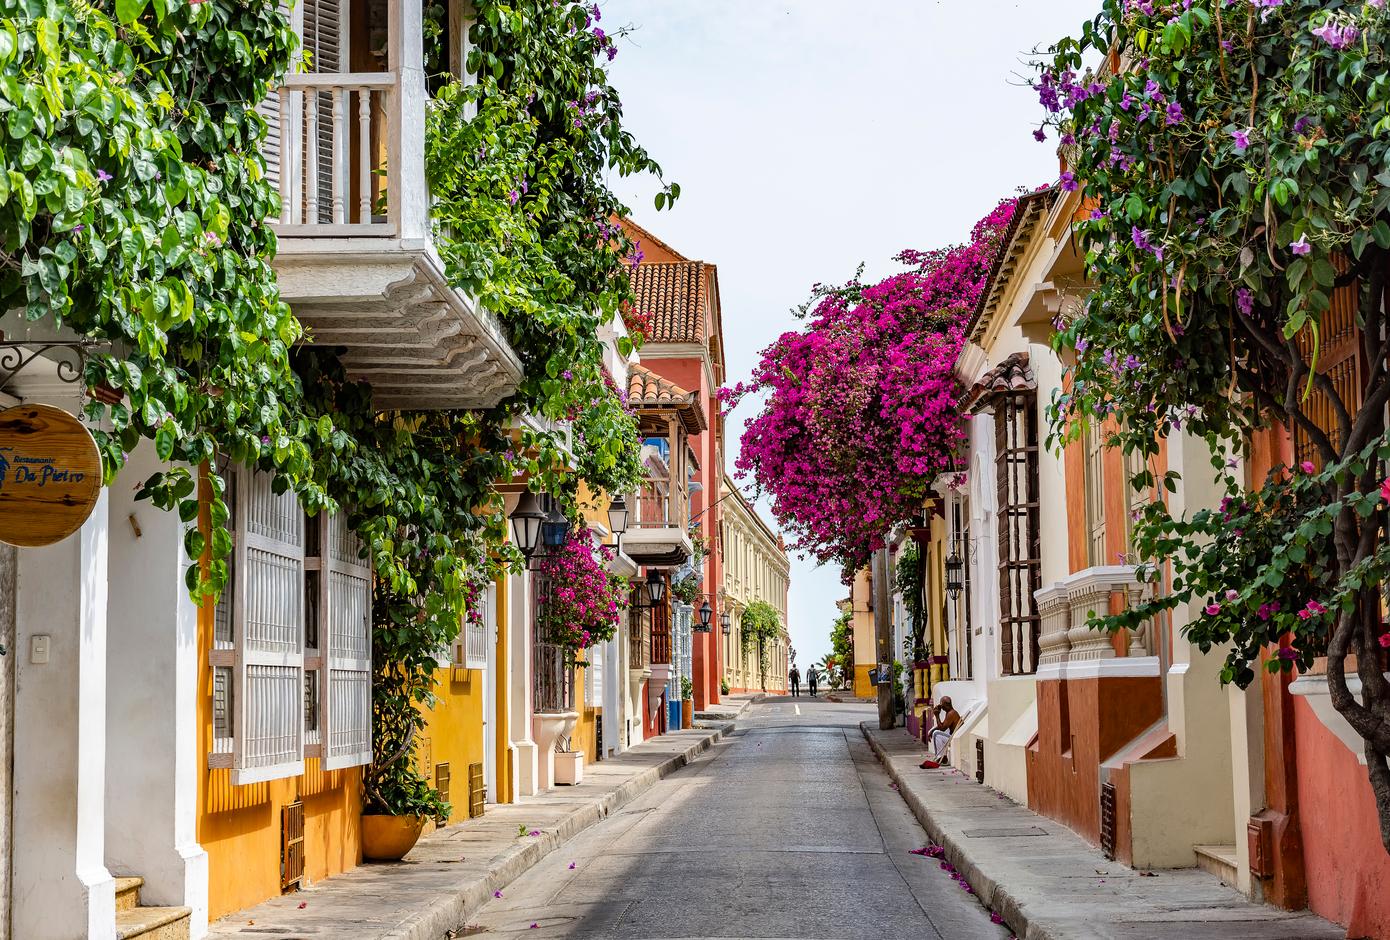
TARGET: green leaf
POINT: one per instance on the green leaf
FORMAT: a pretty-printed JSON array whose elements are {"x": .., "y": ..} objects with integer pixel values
[{"x": 128, "y": 11}]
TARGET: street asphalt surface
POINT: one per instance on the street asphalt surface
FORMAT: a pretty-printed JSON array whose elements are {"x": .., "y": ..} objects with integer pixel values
[{"x": 788, "y": 828}]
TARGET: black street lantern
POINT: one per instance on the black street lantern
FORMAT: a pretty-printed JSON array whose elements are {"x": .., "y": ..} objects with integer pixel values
[
  {"x": 954, "y": 568},
  {"x": 617, "y": 516},
  {"x": 656, "y": 586},
  {"x": 726, "y": 623},
  {"x": 555, "y": 529},
  {"x": 526, "y": 520},
  {"x": 706, "y": 615}
]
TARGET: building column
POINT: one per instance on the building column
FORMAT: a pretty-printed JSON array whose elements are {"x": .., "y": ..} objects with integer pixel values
[
  {"x": 527, "y": 769},
  {"x": 62, "y": 889},
  {"x": 152, "y": 706}
]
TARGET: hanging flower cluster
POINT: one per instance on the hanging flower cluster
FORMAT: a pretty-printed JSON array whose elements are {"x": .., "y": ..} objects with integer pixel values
[
  {"x": 862, "y": 409},
  {"x": 584, "y": 600}
]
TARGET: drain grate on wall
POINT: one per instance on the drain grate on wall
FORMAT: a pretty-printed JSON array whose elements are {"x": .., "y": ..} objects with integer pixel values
[
  {"x": 980, "y": 760},
  {"x": 477, "y": 791},
  {"x": 291, "y": 845},
  {"x": 1107, "y": 820},
  {"x": 443, "y": 780}
]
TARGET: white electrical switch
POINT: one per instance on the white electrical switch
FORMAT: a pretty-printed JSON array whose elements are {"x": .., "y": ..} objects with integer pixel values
[{"x": 38, "y": 649}]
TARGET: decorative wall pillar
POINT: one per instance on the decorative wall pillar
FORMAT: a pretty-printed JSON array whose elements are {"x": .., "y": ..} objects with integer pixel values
[
  {"x": 62, "y": 889},
  {"x": 152, "y": 706}
]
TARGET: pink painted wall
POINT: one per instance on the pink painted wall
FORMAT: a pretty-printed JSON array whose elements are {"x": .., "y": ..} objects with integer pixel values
[{"x": 1347, "y": 867}]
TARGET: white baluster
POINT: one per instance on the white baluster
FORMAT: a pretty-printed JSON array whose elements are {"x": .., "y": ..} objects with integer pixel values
[
  {"x": 311, "y": 143},
  {"x": 339, "y": 153},
  {"x": 364, "y": 154},
  {"x": 286, "y": 171}
]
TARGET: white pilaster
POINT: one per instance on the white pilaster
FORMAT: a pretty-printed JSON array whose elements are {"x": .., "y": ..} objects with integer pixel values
[
  {"x": 526, "y": 778},
  {"x": 152, "y": 705},
  {"x": 61, "y": 887}
]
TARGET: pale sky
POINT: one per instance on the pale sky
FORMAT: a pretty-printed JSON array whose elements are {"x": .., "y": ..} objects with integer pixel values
[{"x": 810, "y": 135}]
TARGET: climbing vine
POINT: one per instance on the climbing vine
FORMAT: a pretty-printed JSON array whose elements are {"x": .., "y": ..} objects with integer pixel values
[{"x": 134, "y": 200}]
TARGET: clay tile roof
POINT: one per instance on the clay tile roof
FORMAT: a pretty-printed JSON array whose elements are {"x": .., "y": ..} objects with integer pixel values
[
  {"x": 647, "y": 390},
  {"x": 1012, "y": 375},
  {"x": 1027, "y": 213},
  {"x": 674, "y": 295},
  {"x": 645, "y": 238}
]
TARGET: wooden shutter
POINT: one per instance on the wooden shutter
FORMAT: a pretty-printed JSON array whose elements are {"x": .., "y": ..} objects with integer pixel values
[
  {"x": 347, "y": 705},
  {"x": 268, "y": 681}
]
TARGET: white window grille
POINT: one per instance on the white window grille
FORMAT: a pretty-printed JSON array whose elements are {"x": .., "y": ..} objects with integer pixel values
[
  {"x": 470, "y": 650},
  {"x": 291, "y": 654}
]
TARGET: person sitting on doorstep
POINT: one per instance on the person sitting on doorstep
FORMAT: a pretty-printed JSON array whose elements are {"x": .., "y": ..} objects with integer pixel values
[{"x": 946, "y": 720}]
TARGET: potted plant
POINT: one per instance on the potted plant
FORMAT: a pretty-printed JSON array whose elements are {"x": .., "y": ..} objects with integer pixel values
[
  {"x": 397, "y": 802},
  {"x": 687, "y": 703}
]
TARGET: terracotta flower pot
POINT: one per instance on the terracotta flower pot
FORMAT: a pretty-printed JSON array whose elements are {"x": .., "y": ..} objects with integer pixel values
[
  {"x": 389, "y": 838},
  {"x": 687, "y": 713}
]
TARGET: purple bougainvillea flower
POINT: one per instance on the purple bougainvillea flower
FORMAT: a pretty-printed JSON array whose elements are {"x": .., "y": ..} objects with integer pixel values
[
  {"x": 534, "y": 926},
  {"x": 571, "y": 866},
  {"x": 1245, "y": 301},
  {"x": 1039, "y": 135},
  {"x": 1241, "y": 137},
  {"x": 1069, "y": 183},
  {"x": 1288, "y": 653},
  {"x": 1301, "y": 247},
  {"x": 994, "y": 918},
  {"x": 1307, "y": 466},
  {"x": 103, "y": 176},
  {"x": 1385, "y": 640},
  {"x": 1212, "y": 609},
  {"x": 1173, "y": 114},
  {"x": 1385, "y": 489}
]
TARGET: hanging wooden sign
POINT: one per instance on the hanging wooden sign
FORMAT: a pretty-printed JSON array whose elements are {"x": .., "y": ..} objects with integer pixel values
[{"x": 50, "y": 475}]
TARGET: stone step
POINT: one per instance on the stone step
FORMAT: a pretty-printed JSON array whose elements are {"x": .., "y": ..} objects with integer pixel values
[
  {"x": 154, "y": 923},
  {"x": 1220, "y": 860},
  {"x": 128, "y": 892}
]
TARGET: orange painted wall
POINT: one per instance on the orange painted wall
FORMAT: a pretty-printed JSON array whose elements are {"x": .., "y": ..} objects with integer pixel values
[
  {"x": 1081, "y": 723},
  {"x": 1347, "y": 868},
  {"x": 239, "y": 827}
]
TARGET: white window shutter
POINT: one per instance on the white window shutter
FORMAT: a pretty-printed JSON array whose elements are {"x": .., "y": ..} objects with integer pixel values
[
  {"x": 477, "y": 627},
  {"x": 594, "y": 677},
  {"x": 268, "y": 677},
  {"x": 347, "y": 706}
]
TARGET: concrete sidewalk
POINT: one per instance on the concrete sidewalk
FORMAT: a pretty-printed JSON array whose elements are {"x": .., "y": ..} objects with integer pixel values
[
  {"x": 1049, "y": 884},
  {"x": 453, "y": 871}
]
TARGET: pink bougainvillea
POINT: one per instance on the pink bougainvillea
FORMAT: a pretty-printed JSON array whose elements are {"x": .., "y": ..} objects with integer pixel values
[
  {"x": 584, "y": 599},
  {"x": 862, "y": 409}
]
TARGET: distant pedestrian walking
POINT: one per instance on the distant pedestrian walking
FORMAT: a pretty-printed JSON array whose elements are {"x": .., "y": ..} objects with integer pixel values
[
  {"x": 811, "y": 678},
  {"x": 796, "y": 681}
]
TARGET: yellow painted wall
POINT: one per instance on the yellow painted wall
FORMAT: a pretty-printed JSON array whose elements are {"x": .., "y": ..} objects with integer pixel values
[
  {"x": 454, "y": 732},
  {"x": 862, "y": 686}
]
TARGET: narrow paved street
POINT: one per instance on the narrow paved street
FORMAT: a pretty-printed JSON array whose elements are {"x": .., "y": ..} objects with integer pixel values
[{"x": 788, "y": 829}]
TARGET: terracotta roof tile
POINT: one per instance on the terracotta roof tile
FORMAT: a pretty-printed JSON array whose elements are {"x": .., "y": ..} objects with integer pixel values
[
  {"x": 673, "y": 294},
  {"x": 1012, "y": 375},
  {"x": 646, "y": 389}
]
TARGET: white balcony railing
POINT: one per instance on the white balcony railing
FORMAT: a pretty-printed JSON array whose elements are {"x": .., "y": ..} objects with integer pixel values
[{"x": 334, "y": 153}]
